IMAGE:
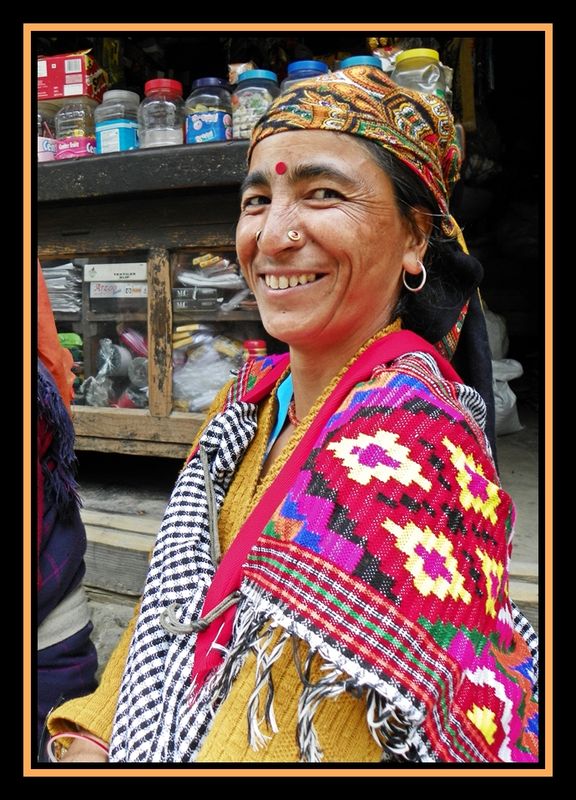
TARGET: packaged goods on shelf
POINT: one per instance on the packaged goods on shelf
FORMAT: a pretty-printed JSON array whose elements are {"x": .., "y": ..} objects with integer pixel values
[
  {"x": 70, "y": 75},
  {"x": 64, "y": 284}
]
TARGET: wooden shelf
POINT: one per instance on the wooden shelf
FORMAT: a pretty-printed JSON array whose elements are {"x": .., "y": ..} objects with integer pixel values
[
  {"x": 152, "y": 170},
  {"x": 134, "y": 431},
  {"x": 215, "y": 316},
  {"x": 118, "y": 316}
]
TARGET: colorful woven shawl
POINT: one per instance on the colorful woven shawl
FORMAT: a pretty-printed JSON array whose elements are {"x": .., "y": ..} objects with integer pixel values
[
  {"x": 386, "y": 552},
  {"x": 389, "y": 556}
]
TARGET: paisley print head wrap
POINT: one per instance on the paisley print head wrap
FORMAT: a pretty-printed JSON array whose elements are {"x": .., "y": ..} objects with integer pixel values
[{"x": 416, "y": 128}]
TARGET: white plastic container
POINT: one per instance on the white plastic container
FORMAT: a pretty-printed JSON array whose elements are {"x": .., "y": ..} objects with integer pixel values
[{"x": 117, "y": 121}]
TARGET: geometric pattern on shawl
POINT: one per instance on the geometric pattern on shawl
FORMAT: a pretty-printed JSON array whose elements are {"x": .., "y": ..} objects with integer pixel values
[{"x": 390, "y": 556}]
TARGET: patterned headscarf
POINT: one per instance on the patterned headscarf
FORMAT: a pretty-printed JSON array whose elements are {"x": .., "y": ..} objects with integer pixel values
[{"x": 416, "y": 128}]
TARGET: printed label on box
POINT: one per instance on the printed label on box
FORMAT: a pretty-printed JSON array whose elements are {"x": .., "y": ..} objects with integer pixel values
[
  {"x": 113, "y": 289},
  {"x": 70, "y": 74},
  {"x": 135, "y": 271}
]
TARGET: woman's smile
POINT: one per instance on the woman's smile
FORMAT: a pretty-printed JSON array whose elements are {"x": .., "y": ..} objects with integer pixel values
[{"x": 281, "y": 282}]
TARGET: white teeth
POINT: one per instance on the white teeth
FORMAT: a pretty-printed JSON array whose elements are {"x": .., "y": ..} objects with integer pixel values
[{"x": 285, "y": 281}]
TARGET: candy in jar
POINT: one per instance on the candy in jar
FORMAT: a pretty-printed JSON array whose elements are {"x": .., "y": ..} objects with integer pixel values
[{"x": 255, "y": 91}]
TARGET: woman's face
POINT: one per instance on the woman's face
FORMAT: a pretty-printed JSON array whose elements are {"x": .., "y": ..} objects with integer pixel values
[{"x": 339, "y": 282}]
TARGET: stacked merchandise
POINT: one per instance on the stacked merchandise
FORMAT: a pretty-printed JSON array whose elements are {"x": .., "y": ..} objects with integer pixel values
[{"x": 64, "y": 283}]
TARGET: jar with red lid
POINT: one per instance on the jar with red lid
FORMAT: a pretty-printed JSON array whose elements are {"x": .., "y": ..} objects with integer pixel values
[{"x": 161, "y": 114}]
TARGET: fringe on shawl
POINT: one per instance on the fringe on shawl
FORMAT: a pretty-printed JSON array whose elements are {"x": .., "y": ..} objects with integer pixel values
[
  {"x": 393, "y": 729},
  {"x": 59, "y": 463}
]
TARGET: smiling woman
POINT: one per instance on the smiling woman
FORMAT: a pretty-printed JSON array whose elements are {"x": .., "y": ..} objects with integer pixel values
[
  {"x": 361, "y": 609},
  {"x": 319, "y": 291}
]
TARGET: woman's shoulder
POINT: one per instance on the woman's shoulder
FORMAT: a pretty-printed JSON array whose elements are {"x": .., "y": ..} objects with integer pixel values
[
  {"x": 415, "y": 383},
  {"x": 257, "y": 376}
]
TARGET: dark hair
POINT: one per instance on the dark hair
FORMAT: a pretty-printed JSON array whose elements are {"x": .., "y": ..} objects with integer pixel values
[{"x": 448, "y": 283}]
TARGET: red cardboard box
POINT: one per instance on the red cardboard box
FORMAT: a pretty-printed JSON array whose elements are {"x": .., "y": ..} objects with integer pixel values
[{"x": 70, "y": 74}]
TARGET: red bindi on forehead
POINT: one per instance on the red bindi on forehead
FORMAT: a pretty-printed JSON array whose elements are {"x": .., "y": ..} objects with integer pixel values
[{"x": 281, "y": 168}]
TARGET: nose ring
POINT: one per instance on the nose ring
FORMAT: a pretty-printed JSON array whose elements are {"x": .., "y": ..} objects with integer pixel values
[
  {"x": 258, "y": 235},
  {"x": 294, "y": 235}
]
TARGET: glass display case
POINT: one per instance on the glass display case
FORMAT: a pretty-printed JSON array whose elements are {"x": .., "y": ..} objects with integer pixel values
[{"x": 152, "y": 304}]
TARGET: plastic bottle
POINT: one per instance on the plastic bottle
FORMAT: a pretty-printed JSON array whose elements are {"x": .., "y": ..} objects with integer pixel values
[
  {"x": 299, "y": 70},
  {"x": 117, "y": 121},
  {"x": 161, "y": 114},
  {"x": 75, "y": 134},
  {"x": 254, "y": 348},
  {"x": 254, "y": 93},
  {"x": 359, "y": 61},
  {"x": 208, "y": 111},
  {"x": 420, "y": 70}
]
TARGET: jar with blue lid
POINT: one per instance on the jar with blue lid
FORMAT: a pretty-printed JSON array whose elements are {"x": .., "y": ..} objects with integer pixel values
[
  {"x": 360, "y": 61},
  {"x": 208, "y": 111},
  {"x": 254, "y": 93},
  {"x": 300, "y": 70}
]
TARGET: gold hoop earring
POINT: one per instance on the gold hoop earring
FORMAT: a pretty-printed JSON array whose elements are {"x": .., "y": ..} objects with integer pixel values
[
  {"x": 422, "y": 279},
  {"x": 294, "y": 236}
]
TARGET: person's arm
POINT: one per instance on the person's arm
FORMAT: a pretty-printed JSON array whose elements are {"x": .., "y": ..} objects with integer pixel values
[{"x": 94, "y": 713}]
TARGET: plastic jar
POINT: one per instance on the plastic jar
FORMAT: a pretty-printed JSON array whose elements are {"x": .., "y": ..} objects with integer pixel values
[
  {"x": 254, "y": 93},
  {"x": 117, "y": 121},
  {"x": 420, "y": 70},
  {"x": 46, "y": 131},
  {"x": 161, "y": 114},
  {"x": 208, "y": 111},
  {"x": 360, "y": 61},
  {"x": 300, "y": 70},
  {"x": 75, "y": 134}
]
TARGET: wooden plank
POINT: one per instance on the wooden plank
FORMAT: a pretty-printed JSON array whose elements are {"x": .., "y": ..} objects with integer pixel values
[
  {"x": 135, "y": 423},
  {"x": 123, "y": 522},
  {"x": 523, "y": 592},
  {"x": 132, "y": 447},
  {"x": 524, "y": 568},
  {"x": 124, "y": 540},
  {"x": 159, "y": 333},
  {"x": 119, "y": 224},
  {"x": 115, "y": 567},
  {"x": 168, "y": 168}
]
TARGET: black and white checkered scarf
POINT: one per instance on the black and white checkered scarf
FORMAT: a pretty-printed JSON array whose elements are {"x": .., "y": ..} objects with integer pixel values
[{"x": 156, "y": 720}]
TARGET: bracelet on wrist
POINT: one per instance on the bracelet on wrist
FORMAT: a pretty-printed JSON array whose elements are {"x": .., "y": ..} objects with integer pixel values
[{"x": 70, "y": 735}]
